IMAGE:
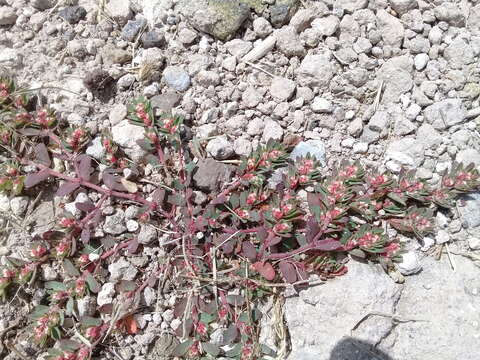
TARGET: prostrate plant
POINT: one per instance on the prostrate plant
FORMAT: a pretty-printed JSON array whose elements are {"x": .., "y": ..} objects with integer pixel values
[{"x": 224, "y": 254}]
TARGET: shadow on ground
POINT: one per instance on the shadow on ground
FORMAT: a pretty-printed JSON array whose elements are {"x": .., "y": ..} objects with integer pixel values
[{"x": 353, "y": 349}]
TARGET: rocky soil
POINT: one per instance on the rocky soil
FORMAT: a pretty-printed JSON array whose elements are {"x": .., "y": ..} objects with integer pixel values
[{"x": 393, "y": 83}]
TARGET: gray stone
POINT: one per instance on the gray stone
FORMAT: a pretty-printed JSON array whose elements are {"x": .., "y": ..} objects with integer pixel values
[
  {"x": 220, "y": 148},
  {"x": 450, "y": 13},
  {"x": 470, "y": 213},
  {"x": 147, "y": 234},
  {"x": 459, "y": 53},
  {"x": 251, "y": 97},
  {"x": 187, "y": 36},
  {"x": 122, "y": 270},
  {"x": 392, "y": 29},
  {"x": 72, "y": 14},
  {"x": 165, "y": 102},
  {"x": 114, "y": 224},
  {"x": 126, "y": 81},
  {"x": 153, "y": 39},
  {"x": 219, "y": 18},
  {"x": 113, "y": 55},
  {"x": 409, "y": 264},
  {"x": 288, "y": 42},
  {"x": 403, "y": 6},
  {"x": 207, "y": 78},
  {"x": 369, "y": 136},
  {"x": 282, "y": 89},
  {"x": 350, "y": 6},
  {"x": 242, "y": 146},
  {"x": 132, "y": 28},
  {"x": 211, "y": 175},
  {"x": 176, "y": 77},
  {"x": 355, "y": 127},
  {"x": 442, "y": 332},
  {"x": 4, "y": 203},
  {"x": 379, "y": 121},
  {"x": 444, "y": 114},
  {"x": 312, "y": 147},
  {"x": 360, "y": 148},
  {"x": 407, "y": 151},
  {"x": 119, "y": 10},
  {"x": 428, "y": 136},
  {"x": 315, "y": 310},
  {"x": 238, "y": 47},
  {"x": 7, "y": 16},
  {"x": 397, "y": 77},
  {"x": 357, "y": 77},
  {"x": 126, "y": 135},
  {"x": 413, "y": 111},
  {"x": 262, "y": 27},
  {"x": 302, "y": 19},
  {"x": 403, "y": 126},
  {"x": 282, "y": 11},
  {"x": 42, "y": 4},
  {"x": 326, "y": 26},
  {"x": 316, "y": 70}
]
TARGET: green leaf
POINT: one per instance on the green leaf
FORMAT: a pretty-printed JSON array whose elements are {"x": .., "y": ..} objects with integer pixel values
[
  {"x": 234, "y": 201},
  {"x": 211, "y": 349},
  {"x": 39, "y": 311},
  {"x": 56, "y": 334},
  {"x": 55, "y": 285},
  {"x": 70, "y": 269},
  {"x": 190, "y": 167},
  {"x": 68, "y": 345},
  {"x": 235, "y": 351},
  {"x": 93, "y": 285},
  {"x": 207, "y": 318},
  {"x": 69, "y": 306},
  {"x": 88, "y": 321},
  {"x": 358, "y": 253},
  {"x": 397, "y": 198},
  {"x": 182, "y": 348}
]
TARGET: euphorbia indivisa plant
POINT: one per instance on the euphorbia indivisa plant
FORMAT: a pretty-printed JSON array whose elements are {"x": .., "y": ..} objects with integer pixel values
[{"x": 223, "y": 253}]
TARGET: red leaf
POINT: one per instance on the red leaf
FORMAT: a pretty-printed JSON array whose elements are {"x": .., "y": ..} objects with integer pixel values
[
  {"x": 248, "y": 250},
  {"x": 86, "y": 206},
  {"x": 328, "y": 245},
  {"x": 131, "y": 325},
  {"x": 41, "y": 154},
  {"x": 36, "y": 178},
  {"x": 313, "y": 200},
  {"x": 67, "y": 188},
  {"x": 112, "y": 181},
  {"x": 265, "y": 269},
  {"x": 288, "y": 271},
  {"x": 85, "y": 236},
  {"x": 84, "y": 167}
]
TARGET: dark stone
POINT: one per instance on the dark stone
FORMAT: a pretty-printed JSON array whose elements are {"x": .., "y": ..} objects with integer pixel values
[
  {"x": 73, "y": 14},
  {"x": 211, "y": 175},
  {"x": 152, "y": 39},
  {"x": 165, "y": 102},
  {"x": 132, "y": 28},
  {"x": 282, "y": 11}
]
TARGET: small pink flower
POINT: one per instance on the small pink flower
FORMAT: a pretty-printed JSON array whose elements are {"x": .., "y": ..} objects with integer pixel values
[
  {"x": 201, "y": 329},
  {"x": 251, "y": 198},
  {"x": 281, "y": 227},
  {"x": 38, "y": 251},
  {"x": 93, "y": 332},
  {"x": 277, "y": 213},
  {"x": 242, "y": 213}
]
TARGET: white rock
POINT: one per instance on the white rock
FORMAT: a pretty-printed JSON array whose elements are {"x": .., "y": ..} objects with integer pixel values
[
  {"x": 261, "y": 49},
  {"x": 272, "y": 130},
  {"x": 428, "y": 242},
  {"x": 360, "y": 148},
  {"x": 132, "y": 225},
  {"x": 19, "y": 205},
  {"x": 105, "y": 296},
  {"x": 282, "y": 89},
  {"x": 96, "y": 149},
  {"x": 420, "y": 61},
  {"x": 413, "y": 111},
  {"x": 238, "y": 47},
  {"x": 322, "y": 105},
  {"x": 117, "y": 114},
  {"x": 410, "y": 264},
  {"x": 220, "y": 148},
  {"x": 474, "y": 243},
  {"x": 119, "y": 10},
  {"x": 442, "y": 237},
  {"x": 126, "y": 136},
  {"x": 393, "y": 166},
  {"x": 4, "y": 203},
  {"x": 326, "y": 26},
  {"x": 442, "y": 220}
]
